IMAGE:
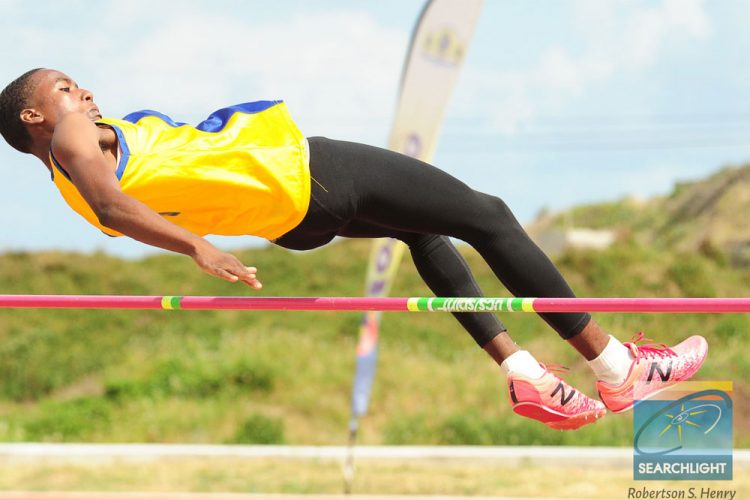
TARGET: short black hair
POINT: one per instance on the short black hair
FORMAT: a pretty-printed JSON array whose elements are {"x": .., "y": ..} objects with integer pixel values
[{"x": 13, "y": 99}]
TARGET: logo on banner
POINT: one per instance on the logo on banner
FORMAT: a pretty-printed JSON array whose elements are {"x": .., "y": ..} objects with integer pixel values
[
  {"x": 443, "y": 46},
  {"x": 684, "y": 433},
  {"x": 413, "y": 145}
]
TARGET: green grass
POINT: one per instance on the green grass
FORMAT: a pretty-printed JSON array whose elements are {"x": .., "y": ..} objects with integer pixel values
[{"x": 271, "y": 377}]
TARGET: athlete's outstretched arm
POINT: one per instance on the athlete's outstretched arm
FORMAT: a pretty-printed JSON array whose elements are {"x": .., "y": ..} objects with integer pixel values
[{"x": 75, "y": 144}]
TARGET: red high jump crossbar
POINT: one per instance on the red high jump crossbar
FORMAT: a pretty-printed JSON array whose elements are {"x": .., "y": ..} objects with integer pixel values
[{"x": 411, "y": 304}]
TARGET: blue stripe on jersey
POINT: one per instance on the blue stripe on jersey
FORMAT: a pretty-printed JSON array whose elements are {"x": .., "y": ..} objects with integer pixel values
[
  {"x": 58, "y": 166},
  {"x": 215, "y": 122},
  {"x": 137, "y": 115},
  {"x": 124, "y": 149}
]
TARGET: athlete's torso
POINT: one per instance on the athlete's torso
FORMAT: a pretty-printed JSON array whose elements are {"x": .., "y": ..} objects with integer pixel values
[{"x": 244, "y": 170}]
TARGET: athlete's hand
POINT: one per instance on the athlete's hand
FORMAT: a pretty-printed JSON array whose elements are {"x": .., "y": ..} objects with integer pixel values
[{"x": 225, "y": 266}]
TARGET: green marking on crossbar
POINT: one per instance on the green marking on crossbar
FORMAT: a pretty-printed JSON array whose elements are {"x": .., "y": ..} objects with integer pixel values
[{"x": 171, "y": 302}]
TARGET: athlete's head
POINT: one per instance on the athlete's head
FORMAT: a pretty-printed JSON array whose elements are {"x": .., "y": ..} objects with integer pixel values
[{"x": 36, "y": 101}]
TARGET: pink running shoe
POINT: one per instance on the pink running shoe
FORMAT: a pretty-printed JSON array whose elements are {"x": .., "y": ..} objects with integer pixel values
[
  {"x": 654, "y": 368},
  {"x": 553, "y": 402}
]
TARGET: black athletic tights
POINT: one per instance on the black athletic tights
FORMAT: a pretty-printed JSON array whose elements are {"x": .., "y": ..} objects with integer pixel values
[{"x": 361, "y": 191}]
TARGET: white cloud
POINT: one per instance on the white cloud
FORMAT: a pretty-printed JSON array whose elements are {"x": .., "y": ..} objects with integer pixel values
[
  {"x": 559, "y": 72},
  {"x": 333, "y": 67},
  {"x": 636, "y": 34},
  {"x": 621, "y": 38},
  {"x": 690, "y": 15},
  {"x": 198, "y": 61}
]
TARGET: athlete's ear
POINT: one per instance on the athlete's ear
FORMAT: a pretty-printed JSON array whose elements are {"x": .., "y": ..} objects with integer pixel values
[{"x": 30, "y": 115}]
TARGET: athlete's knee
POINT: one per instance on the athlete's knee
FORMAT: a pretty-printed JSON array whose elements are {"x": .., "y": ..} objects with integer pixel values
[
  {"x": 493, "y": 219},
  {"x": 496, "y": 208}
]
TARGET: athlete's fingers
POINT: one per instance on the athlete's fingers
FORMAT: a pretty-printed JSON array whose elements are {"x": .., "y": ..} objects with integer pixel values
[
  {"x": 243, "y": 273},
  {"x": 227, "y": 267},
  {"x": 246, "y": 275},
  {"x": 225, "y": 275},
  {"x": 253, "y": 282}
]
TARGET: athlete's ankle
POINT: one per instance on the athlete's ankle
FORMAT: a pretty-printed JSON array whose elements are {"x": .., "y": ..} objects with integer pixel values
[
  {"x": 613, "y": 363},
  {"x": 522, "y": 363}
]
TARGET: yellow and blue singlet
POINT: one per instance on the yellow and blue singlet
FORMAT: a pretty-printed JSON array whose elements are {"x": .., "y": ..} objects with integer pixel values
[{"x": 242, "y": 171}]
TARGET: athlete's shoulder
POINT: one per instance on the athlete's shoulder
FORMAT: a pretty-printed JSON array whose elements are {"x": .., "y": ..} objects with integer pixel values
[
  {"x": 73, "y": 131},
  {"x": 74, "y": 122}
]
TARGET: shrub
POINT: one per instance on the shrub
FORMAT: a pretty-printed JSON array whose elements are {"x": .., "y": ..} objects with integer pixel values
[
  {"x": 407, "y": 429},
  {"x": 197, "y": 379},
  {"x": 691, "y": 274},
  {"x": 68, "y": 421},
  {"x": 732, "y": 326},
  {"x": 260, "y": 429},
  {"x": 464, "y": 428},
  {"x": 36, "y": 362}
]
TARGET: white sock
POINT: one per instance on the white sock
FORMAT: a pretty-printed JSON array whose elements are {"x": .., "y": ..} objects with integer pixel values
[
  {"x": 524, "y": 363},
  {"x": 613, "y": 364}
]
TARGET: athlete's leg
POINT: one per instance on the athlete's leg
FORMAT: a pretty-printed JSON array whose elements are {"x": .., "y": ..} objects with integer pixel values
[
  {"x": 447, "y": 274},
  {"x": 359, "y": 184},
  {"x": 363, "y": 184},
  {"x": 396, "y": 191},
  {"x": 542, "y": 395}
]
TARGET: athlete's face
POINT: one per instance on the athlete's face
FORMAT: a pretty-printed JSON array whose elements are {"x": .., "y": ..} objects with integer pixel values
[{"x": 55, "y": 95}]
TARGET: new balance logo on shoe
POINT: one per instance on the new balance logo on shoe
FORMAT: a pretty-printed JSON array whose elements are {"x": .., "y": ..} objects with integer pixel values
[
  {"x": 563, "y": 399},
  {"x": 512, "y": 392},
  {"x": 655, "y": 368},
  {"x": 537, "y": 398}
]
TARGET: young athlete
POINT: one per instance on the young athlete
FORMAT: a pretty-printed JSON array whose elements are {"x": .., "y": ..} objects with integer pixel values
[{"x": 247, "y": 170}]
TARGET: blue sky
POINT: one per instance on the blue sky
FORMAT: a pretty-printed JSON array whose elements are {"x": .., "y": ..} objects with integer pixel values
[{"x": 560, "y": 102}]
